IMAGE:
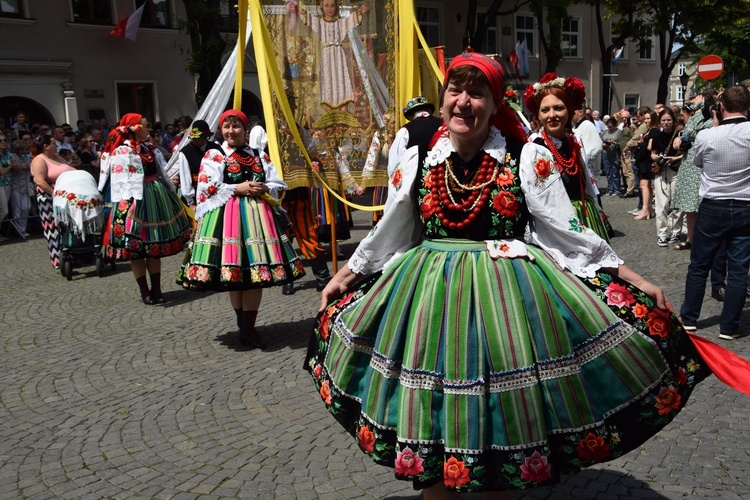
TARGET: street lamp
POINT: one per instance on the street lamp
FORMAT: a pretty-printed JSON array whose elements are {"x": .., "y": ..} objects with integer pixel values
[{"x": 684, "y": 77}]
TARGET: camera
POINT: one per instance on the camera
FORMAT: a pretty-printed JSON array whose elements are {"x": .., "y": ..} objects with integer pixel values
[
  {"x": 716, "y": 107},
  {"x": 662, "y": 160},
  {"x": 685, "y": 145}
]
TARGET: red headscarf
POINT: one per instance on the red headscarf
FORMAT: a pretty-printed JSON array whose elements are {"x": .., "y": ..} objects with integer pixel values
[
  {"x": 130, "y": 122},
  {"x": 237, "y": 114},
  {"x": 505, "y": 120}
]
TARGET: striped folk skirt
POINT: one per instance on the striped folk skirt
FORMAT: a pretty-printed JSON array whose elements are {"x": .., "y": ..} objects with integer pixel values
[
  {"x": 240, "y": 247},
  {"x": 155, "y": 226},
  {"x": 49, "y": 227},
  {"x": 593, "y": 218},
  {"x": 499, "y": 374}
]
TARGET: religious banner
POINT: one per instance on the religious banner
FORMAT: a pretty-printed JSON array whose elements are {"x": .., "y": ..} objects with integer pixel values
[{"x": 337, "y": 64}]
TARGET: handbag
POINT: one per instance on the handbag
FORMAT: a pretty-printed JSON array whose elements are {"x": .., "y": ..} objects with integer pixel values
[{"x": 641, "y": 151}]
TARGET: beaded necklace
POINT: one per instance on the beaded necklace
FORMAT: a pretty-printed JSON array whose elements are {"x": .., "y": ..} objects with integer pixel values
[
  {"x": 446, "y": 184},
  {"x": 565, "y": 165}
]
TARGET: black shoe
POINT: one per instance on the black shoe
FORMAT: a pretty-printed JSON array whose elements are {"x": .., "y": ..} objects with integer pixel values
[
  {"x": 287, "y": 289},
  {"x": 146, "y": 298},
  {"x": 718, "y": 294},
  {"x": 252, "y": 340},
  {"x": 157, "y": 298}
]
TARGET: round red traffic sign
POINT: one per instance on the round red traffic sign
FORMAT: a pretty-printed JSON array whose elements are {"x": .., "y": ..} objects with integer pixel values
[{"x": 710, "y": 67}]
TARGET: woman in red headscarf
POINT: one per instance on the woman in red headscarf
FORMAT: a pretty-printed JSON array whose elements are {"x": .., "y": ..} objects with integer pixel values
[
  {"x": 469, "y": 360},
  {"x": 239, "y": 245},
  {"x": 147, "y": 221}
]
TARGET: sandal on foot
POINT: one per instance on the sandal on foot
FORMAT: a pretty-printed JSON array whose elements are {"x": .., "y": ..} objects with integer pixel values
[{"x": 683, "y": 246}]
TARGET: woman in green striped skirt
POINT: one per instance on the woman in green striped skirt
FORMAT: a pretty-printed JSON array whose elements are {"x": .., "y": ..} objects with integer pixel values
[
  {"x": 239, "y": 245},
  {"x": 147, "y": 220},
  {"x": 477, "y": 361},
  {"x": 567, "y": 155}
]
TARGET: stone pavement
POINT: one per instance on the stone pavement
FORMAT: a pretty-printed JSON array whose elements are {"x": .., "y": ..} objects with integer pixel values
[{"x": 104, "y": 397}]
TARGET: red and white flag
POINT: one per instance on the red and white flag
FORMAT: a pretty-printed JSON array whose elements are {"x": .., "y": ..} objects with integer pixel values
[{"x": 128, "y": 27}]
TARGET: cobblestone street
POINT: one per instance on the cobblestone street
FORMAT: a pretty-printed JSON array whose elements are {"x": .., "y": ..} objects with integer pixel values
[{"x": 104, "y": 397}]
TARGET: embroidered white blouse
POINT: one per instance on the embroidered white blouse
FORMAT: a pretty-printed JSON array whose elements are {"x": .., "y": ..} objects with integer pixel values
[
  {"x": 214, "y": 193},
  {"x": 553, "y": 223},
  {"x": 124, "y": 168}
]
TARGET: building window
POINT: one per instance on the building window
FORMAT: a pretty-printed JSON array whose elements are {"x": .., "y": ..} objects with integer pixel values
[
  {"x": 428, "y": 19},
  {"x": 11, "y": 8},
  {"x": 92, "y": 11},
  {"x": 632, "y": 102},
  {"x": 525, "y": 31},
  {"x": 156, "y": 14},
  {"x": 230, "y": 21},
  {"x": 489, "y": 44},
  {"x": 570, "y": 38},
  {"x": 646, "y": 47},
  {"x": 136, "y": 97},
  {"x": 681, "y": 68}
]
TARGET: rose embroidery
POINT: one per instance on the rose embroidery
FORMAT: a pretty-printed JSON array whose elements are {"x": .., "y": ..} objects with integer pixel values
[
  {"x": 536, "y": 468},
  {"x": 325, "y": 392},
  {"x": 542, "y": 168},
  {"x": 592, "y": 447},
  {"x": 618, "y": 295},
  {"x": 455, "y": 473},
  {"x": 659, "y": 323},
  {"x": 366, "y": 439},
  {"x": 408, "y": 463},
  {"x": 506, "y": 204},
  {"x": 668, "y": 400}
]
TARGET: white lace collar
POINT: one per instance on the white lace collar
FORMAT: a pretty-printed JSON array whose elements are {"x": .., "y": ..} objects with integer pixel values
[{"x": 493, "y": 146}]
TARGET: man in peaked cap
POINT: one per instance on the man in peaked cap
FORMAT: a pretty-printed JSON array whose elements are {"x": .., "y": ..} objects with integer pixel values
[{"x": 420, "y": 129}]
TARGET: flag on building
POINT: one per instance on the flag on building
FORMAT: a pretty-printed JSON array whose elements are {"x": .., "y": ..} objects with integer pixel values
[
  {"x": 522, "y": 51},
  {"x": 616, "y": 55},
  {"x": 128, "y": 27},
  {"x": 513, "y": 59}
]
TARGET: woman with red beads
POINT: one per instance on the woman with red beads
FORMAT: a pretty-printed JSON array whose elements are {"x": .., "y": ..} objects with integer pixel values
[
  {"x": 468, "y": 360},
  {"x": 147, "y": 221},
  {"x": 239, "y": 246},
  {"x": 553, "y": 100}
]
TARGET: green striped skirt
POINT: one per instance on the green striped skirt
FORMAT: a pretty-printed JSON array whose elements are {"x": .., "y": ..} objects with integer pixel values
[
  {"x": 499, "y": 374},
  {"x": 593, "y": 218},
  {"x": 239, "y": 246},
  {"x": 154, "y": 226}
]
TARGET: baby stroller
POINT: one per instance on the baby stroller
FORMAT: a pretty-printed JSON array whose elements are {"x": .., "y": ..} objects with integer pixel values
[{"x": 79, "y": 215}]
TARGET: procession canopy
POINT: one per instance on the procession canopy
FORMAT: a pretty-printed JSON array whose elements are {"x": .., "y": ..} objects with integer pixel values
[{"x": 337, "y": 65}]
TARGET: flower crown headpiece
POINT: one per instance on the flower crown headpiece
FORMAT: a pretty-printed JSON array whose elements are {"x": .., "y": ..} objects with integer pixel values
[
  {"x": 572, "y": 86},
  {"x": 125, "y": 129}
]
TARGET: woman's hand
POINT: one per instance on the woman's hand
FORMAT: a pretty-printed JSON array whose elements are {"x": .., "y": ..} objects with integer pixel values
[
  {"x": 333, "y": 290},
  {"x": 257, "y": 189},
  {"x": 653, "y": 291},
  {"x": 656, "y": 293}
]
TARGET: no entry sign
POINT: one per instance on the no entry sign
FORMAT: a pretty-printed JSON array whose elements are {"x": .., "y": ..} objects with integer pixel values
[{"x": 710, "y": 67}]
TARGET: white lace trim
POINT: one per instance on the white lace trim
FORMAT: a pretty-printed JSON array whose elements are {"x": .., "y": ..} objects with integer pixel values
[
  {"x": 216, "y": 201},
  {"x": 493, "y": 146}
]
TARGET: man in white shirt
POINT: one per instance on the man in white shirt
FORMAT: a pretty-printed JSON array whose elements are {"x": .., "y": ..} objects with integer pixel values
[
  {"x": 723, "y": 152},
  {"x": 592, "y": 142}
]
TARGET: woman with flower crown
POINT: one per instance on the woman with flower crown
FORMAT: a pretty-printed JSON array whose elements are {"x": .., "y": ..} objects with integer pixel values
[
  {"x": 147, "y": 221},
  {"x": 468, "y": 360},
  {"x": 239, "y": 246},
  {"x": 553, "y": 100}
]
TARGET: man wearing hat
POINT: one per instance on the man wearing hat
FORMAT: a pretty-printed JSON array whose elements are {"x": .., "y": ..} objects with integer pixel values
[
  {"x": 420, "y": 129},
  {"x": 189, "y": 159}
]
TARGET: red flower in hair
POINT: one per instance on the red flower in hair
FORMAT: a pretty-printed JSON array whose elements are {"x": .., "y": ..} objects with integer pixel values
[{"x": 575, "y": 89}]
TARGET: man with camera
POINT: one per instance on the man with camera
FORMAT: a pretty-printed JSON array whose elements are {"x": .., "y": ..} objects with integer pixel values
[{"x": 723, "y": 152}]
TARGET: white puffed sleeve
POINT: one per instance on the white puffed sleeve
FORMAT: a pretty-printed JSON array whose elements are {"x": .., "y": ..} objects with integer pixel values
[
  {"x": 554, "y": 225},
  {"x": 400, "y": 228}
]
